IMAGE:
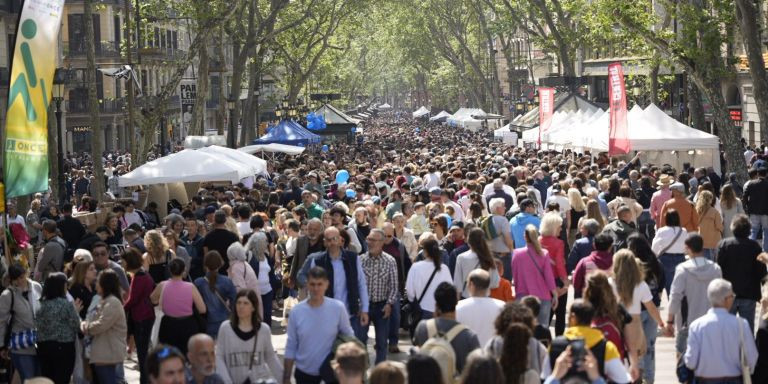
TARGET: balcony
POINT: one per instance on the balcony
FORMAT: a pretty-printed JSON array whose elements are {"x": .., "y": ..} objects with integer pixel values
[
  {"x": 80, "y": 106},
  {"x": 103, "y": 49},
  {"x": 161, "y": 53}
]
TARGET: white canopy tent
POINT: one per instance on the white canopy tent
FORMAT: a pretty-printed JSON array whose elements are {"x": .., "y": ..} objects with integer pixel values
[
  {"x": 662, "y": 139},
  {"x": 442, "y": 115},
  {"x": 273, "y": 148},
  {"x": 421, "y": 112},
  {"x": 195, "y": 142},
  {"x": 506, "y": 136},
  {"x": 258, "y": 166},
  {"x": 187, "y": 166},
  {"x": 464, "y": 118}
]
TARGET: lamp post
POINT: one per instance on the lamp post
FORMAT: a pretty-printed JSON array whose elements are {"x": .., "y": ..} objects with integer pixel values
[
  {"x": 163, "y": 134},
  {"x": 59, "y": 87},
  {"x": 231, "y": 140}
]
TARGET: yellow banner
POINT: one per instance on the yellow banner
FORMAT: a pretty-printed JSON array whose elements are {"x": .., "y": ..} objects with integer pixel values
[{"x": 29, "y": 94}]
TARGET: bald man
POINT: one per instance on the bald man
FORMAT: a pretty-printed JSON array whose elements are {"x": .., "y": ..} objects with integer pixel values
[
  {"x": 202, "y": 360},
  {"x": 346, "y": 277}
]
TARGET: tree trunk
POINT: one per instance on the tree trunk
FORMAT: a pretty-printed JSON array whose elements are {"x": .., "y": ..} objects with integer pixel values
[
  {"x": 250, "y": 127},
  {"x": 221, "y": 110},
  {"x": 129, "y": 84},
  {"x": 750, "y": 34},
  {"x": 695, "y": 107},
  {"x": 730, "y": 135},
  {"x": 654, "y": 77},
  {"x": 197, "y": 127},
  {"x": 97, "y": 136}
]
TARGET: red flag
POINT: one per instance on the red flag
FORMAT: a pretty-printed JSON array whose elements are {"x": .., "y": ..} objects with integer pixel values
[
  {"x": 546, "y": 109},
  {"x": 618, "y": 136}
]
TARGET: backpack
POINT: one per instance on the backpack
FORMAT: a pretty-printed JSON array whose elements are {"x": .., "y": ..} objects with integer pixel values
[
  {"x": 438, "y": 346},
  {"x": 560, "y": 343},
  {"x": 488, "y": 228},
  {"x": 611, "y": 332}
]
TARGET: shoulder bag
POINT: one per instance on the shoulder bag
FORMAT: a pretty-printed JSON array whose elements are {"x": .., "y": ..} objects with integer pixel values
[
  {"x": 253, "y": 353},
  {"x": 411, "y": 310},
  {"x": 674, "y": 240}
]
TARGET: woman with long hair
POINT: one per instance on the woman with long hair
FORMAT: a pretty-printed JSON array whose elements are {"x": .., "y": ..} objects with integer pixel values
[
  {"x": 218, "y": 293},
  {"x": 141, "y": 313},
  {"x": 633, "y": 293},
  {"x": 475, "y": 213},
  {"x": 57, "y": 323},
  {"x": 532, "y": 274},
  {"x": 578, "y": 210},
  {"x": 731, "y": 206},
  {"x": 244, "y": 351},
  {"x": 549, "y": 240},
  {"x": 418, "y": 285},
  {"x": 594, "y": 212},
  {"x": 112, "y": 222},
  {"x": 514, "y": 356},
  {"x": 158, "y": 256},
  {"x": 478, "y": 256},
  {"x": 178, "y": 299},
  {"x": 439, "y": 225},
  {"x": 609, "y": 316},
  {"x": 481, "y": 368},
  {"x": 654, "y": 277},
  {"x": 108, "y": 328},
  {"x": 177, "y": 246},
  {"x": 517, "y": 313},
  {"x": 710, "y": 223},
  {"x": 669, "y": 246}
]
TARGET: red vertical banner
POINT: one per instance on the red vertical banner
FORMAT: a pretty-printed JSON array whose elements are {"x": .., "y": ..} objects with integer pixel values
[
  {"x": 546, "y": 109},
  {"x": 618, "y": 135}
]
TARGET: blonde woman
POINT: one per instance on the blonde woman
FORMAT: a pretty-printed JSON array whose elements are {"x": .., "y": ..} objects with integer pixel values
[
  {"x": 158, "y": 256},
  {"x": 578, "y": 210},
  {"x": 550, "y": 240},
  {"x": 730, "y": 206},
  {"x": 532, "y": 274},
  {"x": 710, "y": 223},
  {"x": 633, "y": 293}
]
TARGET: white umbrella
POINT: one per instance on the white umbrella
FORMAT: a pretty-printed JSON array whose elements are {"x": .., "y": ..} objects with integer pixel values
[
  {"x": 186, "y": 166},
  {"x": 258, "y": 166}
]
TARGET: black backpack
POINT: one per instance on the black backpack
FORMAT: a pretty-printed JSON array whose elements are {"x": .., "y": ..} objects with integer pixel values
[{"x": 560, "y": 343}]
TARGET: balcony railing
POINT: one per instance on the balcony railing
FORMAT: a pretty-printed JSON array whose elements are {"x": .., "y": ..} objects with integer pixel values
[
  {"x": 103, "y": 49},
  {"x": 80, "y": 105}
]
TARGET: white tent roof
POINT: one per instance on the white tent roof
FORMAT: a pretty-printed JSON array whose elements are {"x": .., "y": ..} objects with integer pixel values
[
  {"x": 195, "y": 142},
  {"x": 421, "y": 112},
  {"x": 186, "y": 166},
  {"x": 439, "y": 116},
  {"x": 258, "y": 166},
  {"x": 274, "y": 147},
  {"x": 384, "y": 106}
]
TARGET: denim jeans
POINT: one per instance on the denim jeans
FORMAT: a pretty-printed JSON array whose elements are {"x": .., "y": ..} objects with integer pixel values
[
  {"x": 381, "y": 326},
  {"x": 394, "y": 323},
  {"x": 681, "y": 340},
  {"x": 506, "y": 261},
  {"x": 648, "y": 361},
  {"x": 105, "y": 374},
  {"x": 669, "y": 262},
  {"x": 759, "y": 222},
  {"x": 709, "y": 253},
  {"x": 544, "y": 311},
  {"x": 27, "y": 365},
  {"x": 746, "y": 309},
  {"x": 358, "y": 329}
]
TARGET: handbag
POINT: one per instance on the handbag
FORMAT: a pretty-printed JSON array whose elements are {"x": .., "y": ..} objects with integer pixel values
[
  {"x": 218, "y": 295},
  {"x": 411, "y": 310},
  {"x": 746, "y": 373},
  {"x": 24, "y": 339},
  {"x": 253, "y": 353},
  {"x": 674, "y": 240}
]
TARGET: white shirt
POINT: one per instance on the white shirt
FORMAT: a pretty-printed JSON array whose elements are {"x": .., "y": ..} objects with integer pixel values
[
  {"x": 664, "y": 237},
  {"x": 458, "y": 213},
  {"x": 431, "y": 180},
  {"x": 641, "y": 294},
  {"x": 561, "y": 200},
  {"x": 417, "y": 280},
  {"x": 131, "y": 218},
  {"x": 479, "y": 315},
  {"x": 244, "y": 227}
]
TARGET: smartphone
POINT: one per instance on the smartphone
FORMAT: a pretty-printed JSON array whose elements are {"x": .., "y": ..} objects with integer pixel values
[{"x": 578, "y": 351}]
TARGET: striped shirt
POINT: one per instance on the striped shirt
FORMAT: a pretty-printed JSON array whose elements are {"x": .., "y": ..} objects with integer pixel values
[{"x": 381, "y": 275}]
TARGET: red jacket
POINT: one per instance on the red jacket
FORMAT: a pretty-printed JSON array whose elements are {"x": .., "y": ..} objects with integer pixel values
[{"x": 138, "y": 305}]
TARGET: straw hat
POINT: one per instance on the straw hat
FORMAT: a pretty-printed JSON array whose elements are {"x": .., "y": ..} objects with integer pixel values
[{"x": 664, "y": 180}]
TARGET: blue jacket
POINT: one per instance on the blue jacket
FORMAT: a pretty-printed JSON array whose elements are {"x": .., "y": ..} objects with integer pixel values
[
  {"x": 517, "y": 226},
  {"x": 581, "y": 249},
  {"x": 216, "y": 310}
]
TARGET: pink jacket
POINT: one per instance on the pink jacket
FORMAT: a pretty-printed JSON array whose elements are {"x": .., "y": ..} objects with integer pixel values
[{"x": 532, "y": 279}]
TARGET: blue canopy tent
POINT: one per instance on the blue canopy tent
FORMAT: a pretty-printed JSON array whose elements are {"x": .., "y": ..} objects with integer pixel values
[{"x": 289, "y": 132}]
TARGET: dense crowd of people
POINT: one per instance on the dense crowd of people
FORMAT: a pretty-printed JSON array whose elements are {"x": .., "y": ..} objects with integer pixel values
[{"x": 464, "y": 246}]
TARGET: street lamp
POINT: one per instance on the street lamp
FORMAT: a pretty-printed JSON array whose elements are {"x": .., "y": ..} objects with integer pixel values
[
  {"x": 231, "y": 142},
  {"x": 59, "y": 87}
]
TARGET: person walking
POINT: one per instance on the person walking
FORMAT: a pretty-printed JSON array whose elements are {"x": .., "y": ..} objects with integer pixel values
[
  {"x": 710, "y": 223},
  {"x": 756, "y": 205},
  {"x": 730, "y": 206},
  {"x": 218, "y": 293},
  {"x": 138, "y": 307},
  {"x": 312, "y": 328},
  {"x": 19, "y": 304},
  {"x": 550, "y": 227},
  {"x": 687, "y": 215},
  {"x": 533, "y": 274},
  {"x": 723, "y": 332},
  {"x": 381, "y": 277},
  {"x": 57, "y": 323},
  {"x": 108, "y": 329},
  {"x": 425, "y": 276},
  {"x": 478, "y": 312},
  {"x": 478, "y": 256},
  {"x": 244, "y": 351},
  {"x": 176, "y": 299},
  {"x": 737, "y": 257},
  {"x": 690, "y": 286},
  {"x": 669, "y": 246}
]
